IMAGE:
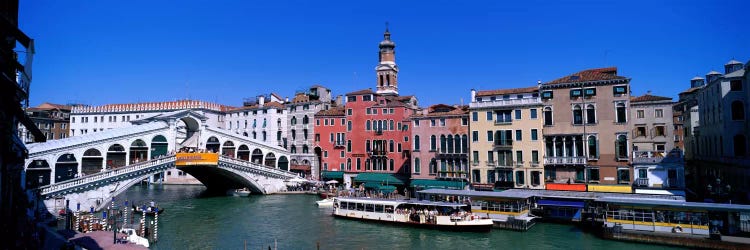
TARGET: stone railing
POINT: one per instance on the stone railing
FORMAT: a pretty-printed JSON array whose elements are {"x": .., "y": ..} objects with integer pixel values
[
  {"x": 258, "y": 168},
  {"x": 565, "y": 160},
  {"x": 93, "y": 178},
  {"x": 509, "y": 102}
]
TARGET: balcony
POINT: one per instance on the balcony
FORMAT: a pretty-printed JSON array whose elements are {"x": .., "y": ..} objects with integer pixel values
[
  {"x": 339, "y": 144},
  {"x": 379, "y": 132},
  {"x": 569, "y": 160},
  {"x": 445, "y": 154},
  {"x": 505, "y": 164},
  {"x": 648, "y": 157},
  {"x": 505, "y": 103},
  {"x": 534, "y": 164},
  {"x": 377, "y": 153},
  {"x": 503, "y": 144},
  {"x": 519, "y": 164},
  {"x": 490, "y": 163},
  {"x": 504, "y": 122},
  {"x": 641, "y": 182}
]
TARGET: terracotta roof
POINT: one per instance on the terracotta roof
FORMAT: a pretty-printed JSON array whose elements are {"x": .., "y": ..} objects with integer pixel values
[
  {"x": 300, "y": 98},
  {"x": 361, "y": 92},
  {"x": 454, "y": 110},
  {"x": 589, "y": 75},
  {"x": 333, "y": 111},
  {"x": 507, "y": 91},
  {"x": 48, "y": 106},
  {"x": 690, "y": 90},
  {"x": 649, "y": 98}
]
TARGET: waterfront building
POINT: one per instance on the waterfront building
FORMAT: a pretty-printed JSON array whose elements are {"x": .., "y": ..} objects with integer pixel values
[
  {"x": 719, "y": 152},
  {"x": 330, "y": 139},
  {"x": 377, "y": 127},
  {"x": 586, "y": 131},
  {"x": 300, "y": 137},
  {"x": 52, "y": 119},
  {"x": 506, "y": 139},
  {"x": 657, "y": 162},
  {"x": 440, "y": 146},
  {"x": 262, "y": 118}
]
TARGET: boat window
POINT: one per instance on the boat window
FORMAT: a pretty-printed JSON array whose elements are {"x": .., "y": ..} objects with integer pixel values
[
  {"x": 369, "y": 207},
  {"x": 360, "y": 207},
  {"x": 344, "y": 205},
  {"x": 352, "y": 205},
  {"x": 389, "y": 209},
  {"x": 378, "y": 208}
]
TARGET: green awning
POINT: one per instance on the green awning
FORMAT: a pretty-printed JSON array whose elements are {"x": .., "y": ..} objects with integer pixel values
[
  {"x": 332, "y": 174},
  {"x": 378, "y": 178},
  {"x": 386, "y": 189},
  {"x": 427, "y": 184}
]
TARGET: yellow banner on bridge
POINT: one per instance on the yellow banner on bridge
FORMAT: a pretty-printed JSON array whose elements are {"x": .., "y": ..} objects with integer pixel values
[{"x": 192, "y": 159}]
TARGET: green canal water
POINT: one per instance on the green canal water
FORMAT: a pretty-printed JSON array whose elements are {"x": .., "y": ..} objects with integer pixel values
[{"x": 195, "y": 220}]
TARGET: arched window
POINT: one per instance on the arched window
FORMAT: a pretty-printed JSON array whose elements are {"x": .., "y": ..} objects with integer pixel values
[
  {"x": 465, "y": 144},
  {"x": 392, "y": 126},
  {"x": 278, "y": 122},
  {"x": 449, "y": 144},
  {"x": 457, "y": 144},
  {"x": 305, "y": 120},
  {"x": 740, "y": 145},
  {"x": 590, "y": 114},
  {"x": 738, "y": 111},
  {"x": 293, "y": 149},
  {"x": 264, "y": 122},
  {"x": 294, "y": 120},
  {"x": 392, "y": 165},
  {"x": 255, "y": 135},
  {"x": 593, "y": 147},
  {"x": 622, "y": 147},
  {"x": 417, "y": 167},
  {"x": 367, "y": 125},
  {"x": 305, "y": 149},
  {"x": 255, "y": 123},
  {"x": 264, "y": 136},
  {"x": 548, "y": 116},
  {"x": 349, "y": 164},
  {"x": 577, "y": 115},
  {"x": 620, "y": 110},
  {"x": 416, "y": 143},
  {"x": 390, "y": 146},
  {"x": 442, "y": 144},
  {"x": 433, "y": 143}
]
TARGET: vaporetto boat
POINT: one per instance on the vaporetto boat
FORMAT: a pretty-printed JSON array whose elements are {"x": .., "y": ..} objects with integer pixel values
[{"x": 426, "y": 214}]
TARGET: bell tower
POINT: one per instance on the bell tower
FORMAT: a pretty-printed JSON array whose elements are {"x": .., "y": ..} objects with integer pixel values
[{"x": 387, "y": 70}]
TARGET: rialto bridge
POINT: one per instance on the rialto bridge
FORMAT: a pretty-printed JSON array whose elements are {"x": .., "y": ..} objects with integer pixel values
[{"x": 91, "y": 169}]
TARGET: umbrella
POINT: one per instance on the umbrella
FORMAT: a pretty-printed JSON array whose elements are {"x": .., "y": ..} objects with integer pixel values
[{"x": 332, "y": 182}]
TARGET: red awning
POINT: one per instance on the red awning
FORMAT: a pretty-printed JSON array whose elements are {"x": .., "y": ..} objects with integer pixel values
[{"x": 301, "y": 167}]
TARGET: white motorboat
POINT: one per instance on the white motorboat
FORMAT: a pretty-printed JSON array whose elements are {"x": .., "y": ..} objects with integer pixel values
[
  {"x": 426, "y": 214},
  {"x": 134, "y": 238},
  {"x": 327, "y": 202},
  {"x": 242, "y": 192}
]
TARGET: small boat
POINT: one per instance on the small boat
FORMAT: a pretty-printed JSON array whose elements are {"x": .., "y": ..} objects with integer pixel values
[
  {"x": 425, "y": 214},
  {"x": 242, "y": 192},
  {"x": 150, "y": 209},
  {"x": 327, "y": 202},
  {"x": 133, "y": 237}
]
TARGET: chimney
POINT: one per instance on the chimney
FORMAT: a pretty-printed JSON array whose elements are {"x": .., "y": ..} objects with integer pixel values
[
  {"x": 286, "y": 100},
  {"x": 261, "y": 100},
  {"x": 339, "y": 100},
  {"x": 473, "y": 95}
]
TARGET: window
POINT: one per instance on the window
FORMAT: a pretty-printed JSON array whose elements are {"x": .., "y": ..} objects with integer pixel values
[
  {"x": 532, "y": 113},
  {"x": 349, "y": 146},
  {"x": 518, "y": 135},
  {"x": 349, "y": 126},
  {"x": 548, "y": 116},
  {"x": 589, "y": 92},
  {"x": 489, "y": 115},
  {"x": 577, "y": 115},
  {"x": 623, "y": 175},
  {"x": 520, "y": 178},
  {"x": 640, "y": 131},
  {"x": 442, "y": 122},
  {"x": 366, "y": 98},
  {"x": 738, "y": 111},
  {"x": 518, "y": 114},
  {"x": 474, "y": 136},
  {"x": 590, "y": 114},
  {"x": 349, "y": 111},
  {"x": 659, "y": 113},
  {"x": 534, "y": 156},
  {"x": 351, "y": 99},
  {"x": 593, "y": 174},
  {"x": 660, "y": 147},
  {"x": 417, "y": 165},
  {"x": 639, "y": 113},
  {"x": 519, "y": 157},
  {"x": 474, "y": 116},
  {"x": 475, "y": 157},
  {"x": 619, "y": 90},
  {"x": 367, "y": 125},
  {"x": 547, "y": 94},
  {"x": 416, "y": 123},
  {"x": 735, "y": 85},
  {"x": 621, "y": 147},
  {"x": 593, "y": 147},
  {"x": 534, "y": 134},
  {"x": 433, "y": 143},
  {"x": 659, "y": 131},
  {"x": 575, "y": 93},
  {"x": 489, "y": 135},
  {"x": 620, "y": 110},
  {"x": 416, "y": 143},
  {"x": 433, "y": 123}
]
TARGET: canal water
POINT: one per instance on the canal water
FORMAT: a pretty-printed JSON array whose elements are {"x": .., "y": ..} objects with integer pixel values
[{"x": 194, "y": 219}]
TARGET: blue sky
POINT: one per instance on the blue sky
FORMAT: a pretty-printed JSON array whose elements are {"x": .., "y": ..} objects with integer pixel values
[{"x": 99, "y": 52}]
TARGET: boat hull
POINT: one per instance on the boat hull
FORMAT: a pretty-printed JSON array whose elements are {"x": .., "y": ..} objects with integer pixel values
[{"x": 442, "y": 227}]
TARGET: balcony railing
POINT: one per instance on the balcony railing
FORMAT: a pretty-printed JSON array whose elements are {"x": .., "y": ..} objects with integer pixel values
[
  {"x": 338, "y": 144},
  {"x": 534, "y": 164},
  {"x": 509, "y": 102},
  {"x": 519, "y": 164},
  {"x": 504, "y": 122},
  {"x": 377, "y": 153},
  {"x": 379, "y": 132},
  {"x": 641, "y": 182},
  {"x": 490, "y": 163},
  {"x": 505, "y": 164},
  {"x": 572, "y": 160},
  {"x": 503, "y": 143}
]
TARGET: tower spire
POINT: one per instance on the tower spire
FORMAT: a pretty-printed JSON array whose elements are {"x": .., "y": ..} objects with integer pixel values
[{"x": 387, "y": 70}]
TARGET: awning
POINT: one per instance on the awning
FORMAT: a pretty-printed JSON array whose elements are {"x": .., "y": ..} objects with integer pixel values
[
  {"x": 427, "y": 184},
  {"x": 333, "y": 174},
  {"x": 387, "y": 189},
  {"x": 301, "y": 167},
  {"x": 378, "y": 178},
  {"x": 559, "y": 203}
]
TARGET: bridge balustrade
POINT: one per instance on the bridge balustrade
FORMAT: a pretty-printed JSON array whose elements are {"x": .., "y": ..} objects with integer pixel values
[
  {"x": 278, "y": 172},
  {"x": 104, "y": 175}
]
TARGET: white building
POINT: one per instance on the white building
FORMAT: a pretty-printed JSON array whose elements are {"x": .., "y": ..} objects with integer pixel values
[
  {"x": 260, "y": 120},
  {"x": 300, "y": 138}
]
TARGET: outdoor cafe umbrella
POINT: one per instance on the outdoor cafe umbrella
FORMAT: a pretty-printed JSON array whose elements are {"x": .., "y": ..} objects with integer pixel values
[
  {"x": 332, "y": 182},
  {"x": 295, "y": 181}
]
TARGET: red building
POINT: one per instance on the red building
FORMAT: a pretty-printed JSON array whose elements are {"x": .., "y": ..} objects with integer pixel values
[
  {"x": 330, "y": 140},
  {"x": 376, "y": 130}
]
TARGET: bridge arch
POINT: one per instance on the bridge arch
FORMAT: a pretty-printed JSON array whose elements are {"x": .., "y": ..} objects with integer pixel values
[
  {"x": 38, "y": 173},
  {"x": 228, "y": 149},
  {"x": 138, "y": 151},
  {"x": 270, "y": 160},
  {"x": 66, "y": 167},
  {"x": 257, "y": 156},
  {"x": 159, "y": 146},
  {"x": 283, "y": 163},
  {"x": 92, "y": 161},
  {"x": 212, "y": 144},
  {"x": 115, "y": 156},
  {"x": 243, "y": 153}
]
